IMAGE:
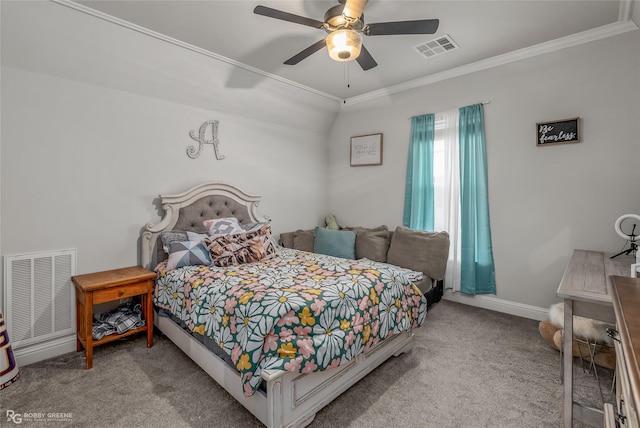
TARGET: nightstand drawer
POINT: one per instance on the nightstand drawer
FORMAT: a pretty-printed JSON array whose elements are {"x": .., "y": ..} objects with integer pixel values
[{"x": 121, "y": 292}]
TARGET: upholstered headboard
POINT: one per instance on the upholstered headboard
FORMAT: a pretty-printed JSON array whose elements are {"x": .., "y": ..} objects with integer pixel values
[{"x": 186, "y": 211}]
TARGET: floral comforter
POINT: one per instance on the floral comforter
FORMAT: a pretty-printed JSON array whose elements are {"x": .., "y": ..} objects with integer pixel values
[{"x": 300, "y": 312}]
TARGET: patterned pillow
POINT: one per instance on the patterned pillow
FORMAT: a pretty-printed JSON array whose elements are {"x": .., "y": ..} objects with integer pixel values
[
  {"x": 187, "y": 253},
  {"x": 222, "y": 226},
  {"x": 264, "y": 231},
  {"x": 243, "y": 247}
]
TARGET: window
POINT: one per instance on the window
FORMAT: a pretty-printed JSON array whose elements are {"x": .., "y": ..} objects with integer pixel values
[{"x": 436, "y": 198}]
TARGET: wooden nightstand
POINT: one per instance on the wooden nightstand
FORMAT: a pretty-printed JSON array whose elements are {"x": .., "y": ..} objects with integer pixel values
[{"x": 109, "y": 286}]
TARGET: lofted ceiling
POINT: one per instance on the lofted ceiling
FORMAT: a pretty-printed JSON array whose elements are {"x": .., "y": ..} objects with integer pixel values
[{"x": 482, "y": 29}]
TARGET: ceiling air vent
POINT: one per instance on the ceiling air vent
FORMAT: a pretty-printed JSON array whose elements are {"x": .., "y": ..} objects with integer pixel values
[{"x": 437, "y": 46}]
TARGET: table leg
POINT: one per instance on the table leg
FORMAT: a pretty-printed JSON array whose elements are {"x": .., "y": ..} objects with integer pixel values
[
  {"x": 79, "y": 313},
  {"x": 148, "y": 303},
  {"x": 568, "y": 363},
  {"x": 88, "y": 329}
]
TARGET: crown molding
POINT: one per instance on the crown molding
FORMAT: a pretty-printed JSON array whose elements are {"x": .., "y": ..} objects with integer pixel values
[
  {"x": 623, "y": 25},
  {"x": 126, "y": 24},
  {"x": 587, "y": 36}
]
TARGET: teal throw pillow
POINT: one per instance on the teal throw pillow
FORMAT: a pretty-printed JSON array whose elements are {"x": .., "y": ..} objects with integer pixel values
[{"x": 337, "y": 243}]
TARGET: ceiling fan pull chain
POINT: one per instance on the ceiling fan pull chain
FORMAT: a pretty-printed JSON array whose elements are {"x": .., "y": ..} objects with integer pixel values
[{"x": 345, "y": 74}]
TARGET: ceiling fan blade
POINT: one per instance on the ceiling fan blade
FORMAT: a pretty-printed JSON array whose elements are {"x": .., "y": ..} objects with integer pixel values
[
  {"x": 305, "y": 53},
  {"x": 285, "y": 16},
  {"x": 422, "y": 26},
  {"x": 365, "y": 59},
  {"x": 354, "y": 8}
]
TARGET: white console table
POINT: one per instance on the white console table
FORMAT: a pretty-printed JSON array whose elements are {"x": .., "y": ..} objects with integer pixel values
[{"x": 586, "y": 290}]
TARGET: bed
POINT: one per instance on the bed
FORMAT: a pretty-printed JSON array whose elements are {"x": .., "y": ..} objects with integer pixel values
[{"x": 301, "y": 336}]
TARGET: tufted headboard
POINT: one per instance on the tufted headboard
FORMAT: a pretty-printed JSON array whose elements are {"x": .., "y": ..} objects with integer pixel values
[{"x": 186, "y": 211}]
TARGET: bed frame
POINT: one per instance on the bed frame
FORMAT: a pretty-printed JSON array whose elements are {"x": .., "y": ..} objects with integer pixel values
[{"x": 291, "y": 399}]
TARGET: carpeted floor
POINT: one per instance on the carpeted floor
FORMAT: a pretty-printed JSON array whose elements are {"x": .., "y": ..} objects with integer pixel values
[{"x": 470, "y": 367}]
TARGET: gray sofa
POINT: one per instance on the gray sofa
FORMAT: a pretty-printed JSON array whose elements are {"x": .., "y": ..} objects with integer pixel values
[{"x": 426, "y": 252}]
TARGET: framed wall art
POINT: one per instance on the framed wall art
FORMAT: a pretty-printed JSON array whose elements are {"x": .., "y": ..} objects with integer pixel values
[
  {"x": 558, "y": 132},
  {"x": 366, "y": 150}
]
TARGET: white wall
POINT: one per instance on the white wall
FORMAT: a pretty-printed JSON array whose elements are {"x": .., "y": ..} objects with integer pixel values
[
  {"x": 544, "y": 201},
  {"x": 96, "y": 121}
]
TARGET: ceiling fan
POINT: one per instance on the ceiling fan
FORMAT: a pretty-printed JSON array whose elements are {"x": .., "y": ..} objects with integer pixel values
[{"x": 345, "y": 25}]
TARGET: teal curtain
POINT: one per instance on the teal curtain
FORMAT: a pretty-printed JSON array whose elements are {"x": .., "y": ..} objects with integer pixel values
[
  {"x": 418, "y": 196},
  {"x": 477, "y": 267}
]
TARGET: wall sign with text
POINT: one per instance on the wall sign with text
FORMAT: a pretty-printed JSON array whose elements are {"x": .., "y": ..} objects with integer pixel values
[
  {"x": 558, "y": 132},
  {"x": 366, "y": 150}
]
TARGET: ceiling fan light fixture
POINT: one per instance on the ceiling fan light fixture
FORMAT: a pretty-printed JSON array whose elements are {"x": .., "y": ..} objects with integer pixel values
[{"x": 344, "y": 44}]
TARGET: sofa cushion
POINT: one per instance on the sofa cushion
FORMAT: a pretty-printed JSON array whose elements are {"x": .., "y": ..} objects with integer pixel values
[
  {"x": 337, "y": 243},
  {"x": 299, "y": 240},
  {"x": 286, "y": 239},
  {"x": 303, "y": 240},
  {"x": 373, "y": 243},
  {"x": 420, "y": 250},
  {"x": 426, "y": 284}
]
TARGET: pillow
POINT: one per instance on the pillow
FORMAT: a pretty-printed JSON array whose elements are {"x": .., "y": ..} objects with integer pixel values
[
  {"x": 337, "y": 243},
  {"x": 303, "y": 240},
  {"x": 169, "y": 236},
  {"x": 419, "y": 250},
  {"x": 187, "y": 253},
  {"x": 222, "y": 226},
  {"x": 251, "y": 226},
  {"x": 263, "y": 230},
  {"x": 286, "y": 239},
  {"x": 193, "y": 236},
  {"x": 372, "y": 243},
  {"x": 242, "y": 247}
]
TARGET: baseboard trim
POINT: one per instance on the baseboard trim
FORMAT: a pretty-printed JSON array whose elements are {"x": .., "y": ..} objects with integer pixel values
[
  {"x": 42, "y": 351},
  {"x": 498, "y": 305}
]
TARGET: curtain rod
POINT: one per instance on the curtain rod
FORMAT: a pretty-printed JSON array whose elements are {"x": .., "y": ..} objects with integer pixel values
[{"x": 482, "y": 102}]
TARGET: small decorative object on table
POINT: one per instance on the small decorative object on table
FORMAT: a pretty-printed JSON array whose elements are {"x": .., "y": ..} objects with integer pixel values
[{"x": 109, "y": 286}]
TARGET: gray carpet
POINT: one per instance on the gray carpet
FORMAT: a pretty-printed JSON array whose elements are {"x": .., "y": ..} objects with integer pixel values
[{"x": 470, "y": 367}]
